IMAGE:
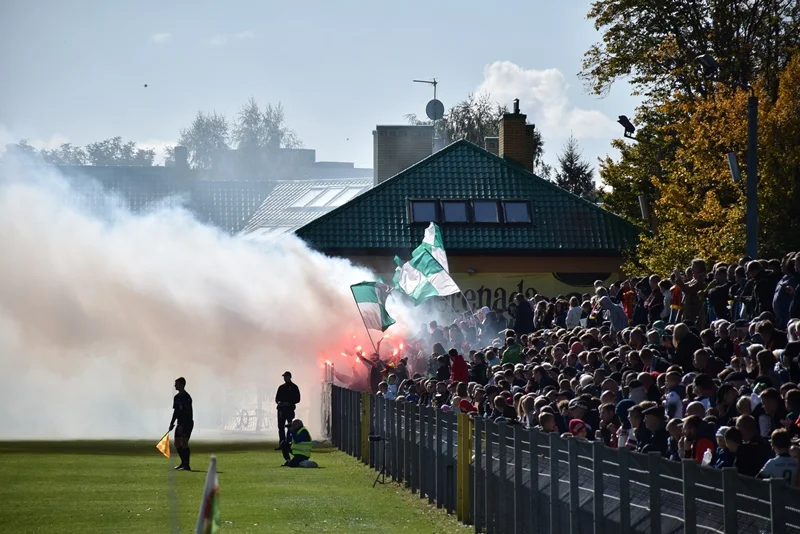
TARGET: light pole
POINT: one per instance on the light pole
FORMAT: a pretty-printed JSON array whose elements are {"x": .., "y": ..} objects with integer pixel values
[
  {"x": 630, "y": 129},
  {"x": 711, "y": 69}
]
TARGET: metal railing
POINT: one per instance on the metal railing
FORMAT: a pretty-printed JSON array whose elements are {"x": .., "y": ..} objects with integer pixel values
[{"x": 500, "y": 478}]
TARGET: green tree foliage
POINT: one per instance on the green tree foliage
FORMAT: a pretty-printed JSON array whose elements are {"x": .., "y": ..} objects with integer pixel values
[
  {"x": 110, "y": 152},
  {"x": 574, "y": 173},
  {"x": 655, "y": 43},
  {"x": 257, "y": 130},
  {"x": 654, "y": 46},
  {"x": 701, "y": 211},
  {"x": 255, "y": 134},
  {"x": 116, "y": 152},
  {"x": 206, "y": 139}
]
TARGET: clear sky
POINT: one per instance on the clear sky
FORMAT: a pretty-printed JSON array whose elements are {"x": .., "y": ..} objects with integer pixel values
[{"x": 75, "y": 70}]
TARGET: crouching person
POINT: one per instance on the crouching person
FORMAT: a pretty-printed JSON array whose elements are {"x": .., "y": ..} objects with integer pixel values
[{"x": 297, "y": 446}]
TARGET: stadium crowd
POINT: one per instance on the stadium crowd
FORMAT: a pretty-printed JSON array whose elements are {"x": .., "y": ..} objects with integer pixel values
[{"x": 704, "y": 364}]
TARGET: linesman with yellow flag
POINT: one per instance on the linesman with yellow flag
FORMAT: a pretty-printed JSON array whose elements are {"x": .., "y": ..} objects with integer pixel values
[{"x": 183, "y": 416}]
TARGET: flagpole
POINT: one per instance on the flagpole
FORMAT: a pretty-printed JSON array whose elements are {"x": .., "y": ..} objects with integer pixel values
[{"x": 364, "y": 322}]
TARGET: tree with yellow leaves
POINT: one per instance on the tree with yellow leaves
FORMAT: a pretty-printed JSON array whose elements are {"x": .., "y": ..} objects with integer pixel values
[{"x": 700, "y": 210}]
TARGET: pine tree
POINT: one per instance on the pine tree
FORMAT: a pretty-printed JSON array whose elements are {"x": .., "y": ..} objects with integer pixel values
[{"x": 575, "y": 173}]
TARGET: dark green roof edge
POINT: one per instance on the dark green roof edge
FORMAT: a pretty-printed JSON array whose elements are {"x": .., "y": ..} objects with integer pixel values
[{"x": 452, "y": 146}]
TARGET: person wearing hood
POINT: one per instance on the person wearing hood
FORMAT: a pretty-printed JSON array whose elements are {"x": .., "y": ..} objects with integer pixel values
[
  {"x": 459, "y": 372},
  {"x": 698, "y": 437},
  {"x": 617, "y": 316}
]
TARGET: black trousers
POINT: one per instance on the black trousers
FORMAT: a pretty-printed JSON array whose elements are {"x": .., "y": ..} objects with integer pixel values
[
  {"x": 286, "y": 449},
  {"x": 285, "y": 416}
]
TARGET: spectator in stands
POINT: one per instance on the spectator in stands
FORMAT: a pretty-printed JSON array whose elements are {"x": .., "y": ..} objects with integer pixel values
[{"x": 610, "y": 368}]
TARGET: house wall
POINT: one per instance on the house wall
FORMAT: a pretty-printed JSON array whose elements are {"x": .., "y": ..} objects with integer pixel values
[{"x": 495, "y": 281}]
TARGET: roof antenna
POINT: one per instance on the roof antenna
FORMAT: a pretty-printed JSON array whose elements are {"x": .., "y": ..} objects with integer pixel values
[{"x": 434, "y": 110}]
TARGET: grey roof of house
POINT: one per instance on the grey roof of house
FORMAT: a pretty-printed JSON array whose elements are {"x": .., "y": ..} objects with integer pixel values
[
  {"x": 227, "y": 205},
  {"x": 294, "y": 203}
]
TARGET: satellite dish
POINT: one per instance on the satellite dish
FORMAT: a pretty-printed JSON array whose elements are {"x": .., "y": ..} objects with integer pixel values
[{"x": 434, "y": 110}]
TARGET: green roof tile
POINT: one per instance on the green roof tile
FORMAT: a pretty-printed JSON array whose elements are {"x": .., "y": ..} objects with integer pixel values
[{"x": 561, "y": 221}]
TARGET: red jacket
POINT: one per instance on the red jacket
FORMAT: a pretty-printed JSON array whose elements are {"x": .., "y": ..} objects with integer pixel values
[{"x": 458, "y": 370}]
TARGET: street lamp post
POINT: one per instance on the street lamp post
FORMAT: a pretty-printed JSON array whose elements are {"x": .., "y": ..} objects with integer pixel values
[
  {"x": 711, "y": 68},
  {"x": 630, "y": 129}
]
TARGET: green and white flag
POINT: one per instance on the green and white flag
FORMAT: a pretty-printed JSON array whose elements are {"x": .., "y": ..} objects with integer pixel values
[
  {"x": 423, "y": 277},
  {"x": 432, "y": 242},
  {"x": 371, "y": 300}
]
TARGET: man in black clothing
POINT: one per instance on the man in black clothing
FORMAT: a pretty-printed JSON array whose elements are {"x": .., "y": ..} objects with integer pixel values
[
  {"x": 654, "y": 420},
  {"x": 287, "y": 399},
  {"x": 182, "y": 415}
]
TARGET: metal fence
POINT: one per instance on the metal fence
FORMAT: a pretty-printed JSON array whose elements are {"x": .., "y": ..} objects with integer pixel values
[{"x": 504, "y": 479}]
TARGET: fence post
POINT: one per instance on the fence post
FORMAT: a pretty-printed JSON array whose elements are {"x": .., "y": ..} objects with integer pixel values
[
  {"x": 357, "y": 414},
  {"x": 355, "y": 427},
  {"x": 407, "y": 451},
  {"x": 554, "y": 484},
  {"x": 654, "y": 464},
  {"x": 502, "y": 476},
  {"x": 450, "y": 482},
  {"x": 431, "y": 457},
  {"x": 689, "y": 469},
  {"x": 414, "y": 476},
  {"x": 459, "y": 466},
  {"x": 519, "y": 483},
  {"x": 490, "y": 509},
  {"x": 373, "y": 428},
  {"x": 439, "y": 461},
  {"x": 480, "y": 477},
  {"x": 421, "y": 464},
  {"x": 467, "y": 484},
  {"x": 574, "y": 486},
  {"x": 401, "y": 443},
  {"x": 598, "y": 499},
  {"x": 365, "y": 424},
  {"x": 777, "y": 508},
  {"x": 624, "y": 490},
  {"x": 533, "y": 436},
  {"x": 345, "y": 410},
  {"x": 730, "y": 522},
  {"x": 334, "y": 417}
]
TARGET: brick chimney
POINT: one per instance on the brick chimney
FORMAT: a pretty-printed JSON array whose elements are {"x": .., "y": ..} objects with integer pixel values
[{"x": 516, "y": 138}]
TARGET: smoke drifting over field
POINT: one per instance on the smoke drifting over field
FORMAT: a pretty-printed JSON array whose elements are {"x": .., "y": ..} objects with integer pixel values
[{"x": 100, "y": 312}]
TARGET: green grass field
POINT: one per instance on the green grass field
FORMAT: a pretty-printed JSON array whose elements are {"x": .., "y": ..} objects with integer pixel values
[{"x": 128, "y": 486}]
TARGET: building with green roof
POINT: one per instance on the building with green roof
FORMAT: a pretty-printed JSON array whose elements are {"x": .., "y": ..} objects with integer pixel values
[{"x": 505, "y": 229}]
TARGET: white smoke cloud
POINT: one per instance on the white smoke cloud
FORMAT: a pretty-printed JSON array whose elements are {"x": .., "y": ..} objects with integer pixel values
[
  {"x": 101, "y": 311},
  {"x": 543, "y": 97}
]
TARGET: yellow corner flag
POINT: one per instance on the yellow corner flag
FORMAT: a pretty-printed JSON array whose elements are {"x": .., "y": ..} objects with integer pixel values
[{"x": 163, "y": 445}]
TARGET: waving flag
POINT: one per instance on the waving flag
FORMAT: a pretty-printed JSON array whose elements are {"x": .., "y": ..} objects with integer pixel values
[
  {"x": 424, "y": 277},
  {"x": 163, "y": 445},
  {"x": 432, "y": 242},
  {"x": 371, "y": 298},
  {"x": 208, "y": 521}
]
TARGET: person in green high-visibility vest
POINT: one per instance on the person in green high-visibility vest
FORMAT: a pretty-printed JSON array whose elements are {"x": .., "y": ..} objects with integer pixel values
[{"x": 297, "y": 445}]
